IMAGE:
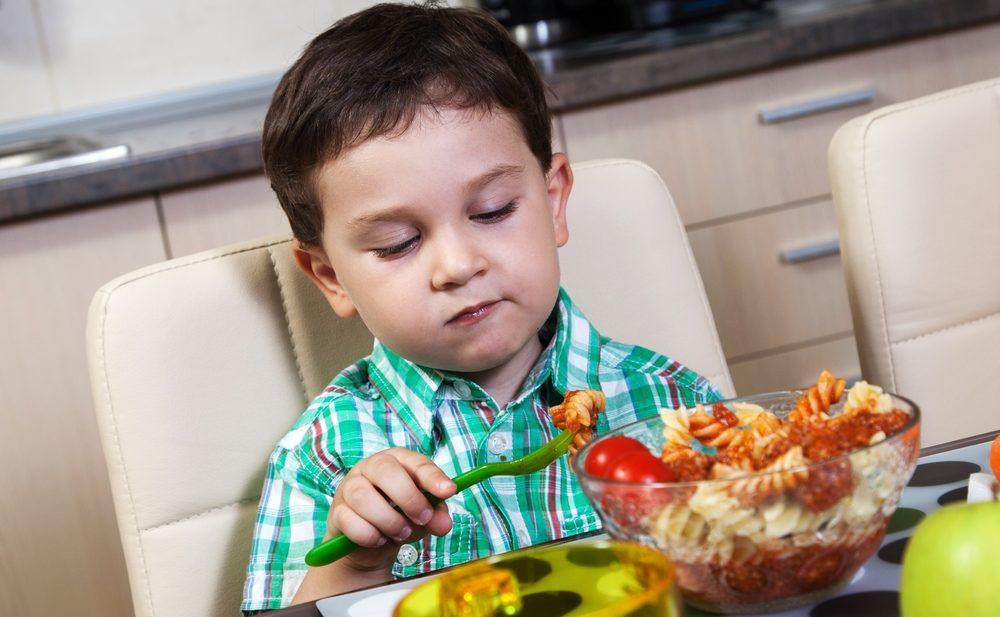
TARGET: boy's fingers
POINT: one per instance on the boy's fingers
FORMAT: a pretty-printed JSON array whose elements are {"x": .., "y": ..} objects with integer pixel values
[
  {"x": 387, "y": 473},
  {"x": 441, "y": 522},
  {"x": 356, "y": 528},
  {"x": 361, "y": 497},
  {"x": 439, "y": 525},
  {"x": 428, "y": 476}
]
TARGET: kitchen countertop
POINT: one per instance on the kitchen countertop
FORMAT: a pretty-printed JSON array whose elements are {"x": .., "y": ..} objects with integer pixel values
[{"x": 210, "y": 134}]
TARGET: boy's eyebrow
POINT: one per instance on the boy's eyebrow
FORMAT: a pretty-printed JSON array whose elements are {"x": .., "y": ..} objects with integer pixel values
[
  {"x": 500, "y": 171},
  {"x": 388, "y": 214},
  {"x": 476, "y": 184}
]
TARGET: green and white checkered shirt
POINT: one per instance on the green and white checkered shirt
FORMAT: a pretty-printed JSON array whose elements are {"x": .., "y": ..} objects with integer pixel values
[{"x": 386, "y": 401}]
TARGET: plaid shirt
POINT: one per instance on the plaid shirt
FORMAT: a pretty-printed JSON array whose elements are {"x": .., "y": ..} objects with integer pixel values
[{"x": 386, "y": 401}]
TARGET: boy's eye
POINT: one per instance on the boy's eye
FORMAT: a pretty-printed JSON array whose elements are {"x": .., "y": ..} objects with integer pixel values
[
  {"x": 396, "y": 249},
  {"x": 497, "y": 215}
]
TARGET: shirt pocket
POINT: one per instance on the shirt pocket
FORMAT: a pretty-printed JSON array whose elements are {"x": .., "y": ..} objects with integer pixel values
[
  {"x": 581, "y": 522},
  {"x": 434, "y": 553}
]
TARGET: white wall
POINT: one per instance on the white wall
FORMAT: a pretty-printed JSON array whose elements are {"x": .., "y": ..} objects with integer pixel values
[
  {"x": 24, "y": 87},
  {"x": 60, "y": 55}
]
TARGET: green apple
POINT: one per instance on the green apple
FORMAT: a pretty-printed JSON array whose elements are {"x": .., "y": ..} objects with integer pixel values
[{"x": 950, "y": 563}]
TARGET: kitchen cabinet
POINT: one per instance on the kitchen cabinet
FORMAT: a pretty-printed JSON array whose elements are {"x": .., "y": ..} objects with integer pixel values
[
  {"x": 796, "y": 366},
  {"x": 762, "y": 302},
  {"x": 720, "y": 158},
  {"x": 202, "y": 218},
  {"x": 745, "y": 160},
  {"x": 60, "y": 551}
]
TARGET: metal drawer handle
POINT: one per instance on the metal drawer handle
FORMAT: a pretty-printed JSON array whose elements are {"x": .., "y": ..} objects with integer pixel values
[
  {"x": 71, "y": 160},
  {"x": 811, "y": 252},
  {"x": 816, "y": 106}
]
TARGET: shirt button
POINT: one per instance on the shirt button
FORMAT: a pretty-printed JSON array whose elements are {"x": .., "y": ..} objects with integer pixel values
[
  {"x": 407, "y": 555},
  {"x": 497, "y": 443},
  {"x": 462, "y": 389}
]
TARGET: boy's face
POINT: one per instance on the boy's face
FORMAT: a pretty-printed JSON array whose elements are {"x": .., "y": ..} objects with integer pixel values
[{"x": 443, "y": 238}]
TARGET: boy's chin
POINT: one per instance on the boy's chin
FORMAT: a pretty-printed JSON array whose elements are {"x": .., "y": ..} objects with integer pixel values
[{"x": 473, "y": 364}]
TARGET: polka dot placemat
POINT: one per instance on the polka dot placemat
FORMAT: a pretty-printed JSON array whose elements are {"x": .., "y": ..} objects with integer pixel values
[
  {"x": 893, "y": 551},
  {"x": 550, "y": 603},
  {"x": 690, "y": 611},
  {"x": 589, "y": 557},
  {"x": 959, "y": 494},
  {"x": 939, "y": 479},
  {"x": 528, "y": 569},
  {"x": 863, "y": 604},
  {"x": 943, "y": 472},
  {"x": 904, "y": 518}
]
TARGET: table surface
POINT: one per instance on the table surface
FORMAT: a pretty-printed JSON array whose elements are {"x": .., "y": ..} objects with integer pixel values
[{"x": 941, "y": 477}]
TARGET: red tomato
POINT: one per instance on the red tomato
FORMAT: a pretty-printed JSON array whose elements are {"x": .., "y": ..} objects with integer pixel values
[
  {"x": 995, "y": 457},
  {"x": 641, "y": 467},
  {"x": 630, "y": 505},
  {"x": 601, "y": 458}
]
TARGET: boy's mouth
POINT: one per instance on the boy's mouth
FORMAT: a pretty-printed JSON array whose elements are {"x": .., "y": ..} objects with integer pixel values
[{"x": 472, "y": 314}]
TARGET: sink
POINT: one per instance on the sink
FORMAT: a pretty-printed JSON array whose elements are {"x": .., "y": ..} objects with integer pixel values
[{"x": 51, "y": 153}]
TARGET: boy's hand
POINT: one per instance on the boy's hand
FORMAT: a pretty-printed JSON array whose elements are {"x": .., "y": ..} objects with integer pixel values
[{"x": 362, "y": 506}]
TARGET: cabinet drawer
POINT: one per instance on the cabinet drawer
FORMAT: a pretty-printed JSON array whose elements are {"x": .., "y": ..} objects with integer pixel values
[
  {"x": 718, "y": 156},
  {"x": 59, "y": 547},
  {"x": 760, "y": 302},
  {"x": 796, "y": 368}
]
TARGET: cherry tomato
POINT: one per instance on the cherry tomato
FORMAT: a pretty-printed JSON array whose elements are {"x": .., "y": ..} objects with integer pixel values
[
  {"x": 641, "y": 467},
  {"x": 601, "y": 458},
  {"x": 995, "y": 457},
  {"x": 631, "y": 504}
]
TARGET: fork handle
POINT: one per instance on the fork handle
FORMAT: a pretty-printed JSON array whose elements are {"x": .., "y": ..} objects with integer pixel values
[{"x": 330, "y": 551}]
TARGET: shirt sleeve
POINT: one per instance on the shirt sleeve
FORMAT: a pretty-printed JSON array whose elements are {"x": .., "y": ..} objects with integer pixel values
[
  {"x": 642, "y": 382},
  {"x": 291, "y": 517},
  {"x": 702, "y": 390},
  {"x": 683, "y": 386}
]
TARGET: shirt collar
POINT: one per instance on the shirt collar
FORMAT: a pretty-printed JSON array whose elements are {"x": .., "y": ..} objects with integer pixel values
[
  {"x": 576, "y": 349},
  {"x": 570, "y": 361},
  {"x": 409, "y": 388}
]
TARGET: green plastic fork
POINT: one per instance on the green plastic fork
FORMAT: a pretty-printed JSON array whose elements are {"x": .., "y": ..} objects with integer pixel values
[{"x": 340, "y": 545}]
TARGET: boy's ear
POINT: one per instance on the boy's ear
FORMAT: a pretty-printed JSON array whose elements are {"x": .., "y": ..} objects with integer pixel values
[
  {"x": 560, "y": 183},
  {"x": 314, "y": 262}
]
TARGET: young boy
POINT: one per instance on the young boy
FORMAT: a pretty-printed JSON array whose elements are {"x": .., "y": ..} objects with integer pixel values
[{"x": 410, "y": 147}]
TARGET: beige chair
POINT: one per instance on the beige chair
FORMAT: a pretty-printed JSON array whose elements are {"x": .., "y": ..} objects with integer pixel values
[
  {"x": 200, "y": 364},
  {"x": 917, "y": 192}
]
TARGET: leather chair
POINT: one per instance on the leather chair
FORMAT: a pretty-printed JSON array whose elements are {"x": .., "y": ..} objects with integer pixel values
[
  {"x": 200, "y": 364},
  {"x": 917, "y": 192}
]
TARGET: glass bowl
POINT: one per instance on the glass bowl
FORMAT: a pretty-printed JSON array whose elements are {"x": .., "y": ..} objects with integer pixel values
[{"x": 762, "y": 542}]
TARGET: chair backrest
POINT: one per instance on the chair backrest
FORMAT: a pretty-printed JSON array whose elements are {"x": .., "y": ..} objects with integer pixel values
[
  {"x": 629, "y": 266},
  {"x": 199, "y": 365},
  {"x": 917, "y": 192}
]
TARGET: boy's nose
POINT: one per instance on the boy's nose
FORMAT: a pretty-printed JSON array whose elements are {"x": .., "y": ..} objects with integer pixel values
[{"x": 457, "y": 261}]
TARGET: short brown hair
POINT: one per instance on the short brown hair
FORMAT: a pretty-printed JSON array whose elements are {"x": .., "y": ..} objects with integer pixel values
[{"x": 369, "y": 75}]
